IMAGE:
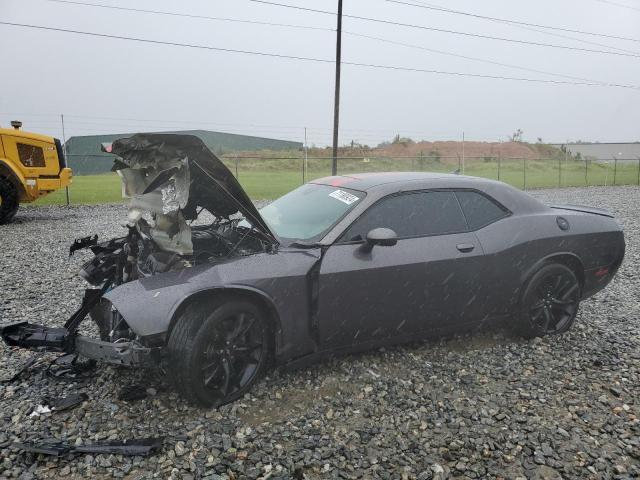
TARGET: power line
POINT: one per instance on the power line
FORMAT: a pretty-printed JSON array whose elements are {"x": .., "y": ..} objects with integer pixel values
[
  {"x": 321, "y": 132},
  {"x": 333, "y": 30},
  {"x": 312, "y": 59},
  {"x": 326, "y": 129},
  {"x": 619, "y": 5},
  {"x": 467, "y": 57},
  {"x": 505, "y": 20},
  {"x": 443, "y": 30},
  {"x": 569, "y": 37},
  {"x": 549, "y": 33},
  {"x": 160, "y": 123},
  {"x": 194, "y": 16},
  {"x": 273, "y": 24}
]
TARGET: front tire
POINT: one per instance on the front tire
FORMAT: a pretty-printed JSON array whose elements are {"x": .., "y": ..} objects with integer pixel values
[
  {"x": 217, "y": 352},
  {"x": 550, "y": 301},
  {"x": 8, "y": 201}
]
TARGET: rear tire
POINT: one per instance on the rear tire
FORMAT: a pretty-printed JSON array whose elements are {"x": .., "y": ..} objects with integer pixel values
[
  {"x": 217, "y": 352},
  {"x": 8, "y": 201},
  {"x": 550, "y": 302}
]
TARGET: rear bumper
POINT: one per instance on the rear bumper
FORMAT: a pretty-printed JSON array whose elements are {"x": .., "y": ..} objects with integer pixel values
[
  {"x": 39, "y": 337},
  {"x": 595, "y": 279}
]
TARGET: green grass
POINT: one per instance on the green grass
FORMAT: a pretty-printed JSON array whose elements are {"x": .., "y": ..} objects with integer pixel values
[{"x": 269, "y": 180}]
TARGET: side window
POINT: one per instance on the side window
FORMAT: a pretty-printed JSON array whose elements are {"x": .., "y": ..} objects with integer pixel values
[
  {"x": 479, "y": 210},
  {"x": 30, "y": 155},
  {"x": 411, "y": 215}
]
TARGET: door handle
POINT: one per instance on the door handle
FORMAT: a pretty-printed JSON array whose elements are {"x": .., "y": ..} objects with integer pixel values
[{"x": 465, "y": 247}]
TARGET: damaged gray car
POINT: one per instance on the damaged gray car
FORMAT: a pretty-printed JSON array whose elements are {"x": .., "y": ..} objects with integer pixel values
[{"x": 214, "y": 290}]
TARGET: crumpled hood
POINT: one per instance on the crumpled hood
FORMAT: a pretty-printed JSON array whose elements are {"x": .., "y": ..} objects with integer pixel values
[{"x": 173, "y": 177}]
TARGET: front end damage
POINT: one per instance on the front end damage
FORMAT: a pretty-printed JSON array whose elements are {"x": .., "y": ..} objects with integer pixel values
[{"x": 185, "y": 209}]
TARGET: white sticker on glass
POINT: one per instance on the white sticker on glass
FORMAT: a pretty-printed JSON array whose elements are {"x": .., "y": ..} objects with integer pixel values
[{"x": 344, "y": 197}]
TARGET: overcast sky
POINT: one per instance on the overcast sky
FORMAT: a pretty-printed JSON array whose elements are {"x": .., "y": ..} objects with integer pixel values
[{"x": 111, "y": 86}]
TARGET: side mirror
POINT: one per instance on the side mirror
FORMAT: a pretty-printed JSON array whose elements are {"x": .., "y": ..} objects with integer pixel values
[{"x": 385, "y": 237}]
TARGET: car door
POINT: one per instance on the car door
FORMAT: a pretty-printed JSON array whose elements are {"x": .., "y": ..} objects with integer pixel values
[
  {"x": 424, "y": 282},
  {"x": 496, "y": 290}
]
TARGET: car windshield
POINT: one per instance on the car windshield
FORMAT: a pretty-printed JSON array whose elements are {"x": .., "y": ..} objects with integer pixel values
[{"x": 308, "y": 212}]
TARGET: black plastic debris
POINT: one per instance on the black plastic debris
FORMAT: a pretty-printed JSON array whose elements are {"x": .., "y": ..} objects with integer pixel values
[
  {"x": 131, "y": 393},
  {"x": 20, "y": 370},
  {"x": 134, "y": 447},
  {"x": 67, "y": 367},
  {"x": 65, "y": 403},
  {"x": 47, "y": 448},
  {"x": 142, "y": 447},
  {"x": 84, "y": 242}
]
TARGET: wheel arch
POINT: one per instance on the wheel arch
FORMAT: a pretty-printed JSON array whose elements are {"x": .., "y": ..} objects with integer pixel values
[
  {"x": 260, "y": 298},
  {"x": 568, "y": 259},
  {"x": 14, "y": 176}
]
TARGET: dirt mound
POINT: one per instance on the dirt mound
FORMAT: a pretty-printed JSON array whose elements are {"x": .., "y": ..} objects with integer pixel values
[{"x": 449, "y": 151}]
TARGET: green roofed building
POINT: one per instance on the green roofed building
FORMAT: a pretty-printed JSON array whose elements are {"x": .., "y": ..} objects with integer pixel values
[{"x": 86, "y": 158}]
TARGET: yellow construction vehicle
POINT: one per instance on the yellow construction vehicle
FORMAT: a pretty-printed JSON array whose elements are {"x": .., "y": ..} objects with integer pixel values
[{"x": 31, "y": 166}]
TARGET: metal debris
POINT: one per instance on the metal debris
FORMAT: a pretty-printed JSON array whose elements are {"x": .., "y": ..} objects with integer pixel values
[
  {"x": 81, "y": 243},
  {"x": 135, "y": 447},
  {"x": 67, "y": 367}
]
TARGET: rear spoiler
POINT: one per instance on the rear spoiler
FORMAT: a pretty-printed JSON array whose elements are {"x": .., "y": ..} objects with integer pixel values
[{"x": 584, "y": 209}]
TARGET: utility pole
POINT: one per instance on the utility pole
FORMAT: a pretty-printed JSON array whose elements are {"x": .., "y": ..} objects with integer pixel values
[
  {"x": 336, "y": 108},
  {"x": 566, "y": 152},
  {"x": 305, "y": 165},
  {"x": 463, "y": 152},
  {"x": 66, "y": 156}
]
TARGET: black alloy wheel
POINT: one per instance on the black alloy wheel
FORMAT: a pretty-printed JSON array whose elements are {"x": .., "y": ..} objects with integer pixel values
[
  {"x": 550, "y": 302},
  {"x": 8, "y": 201},
  {"x": 215, "y": 355}
]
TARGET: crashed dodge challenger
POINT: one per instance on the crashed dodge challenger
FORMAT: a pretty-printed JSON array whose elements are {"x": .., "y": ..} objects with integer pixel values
[{"x": 213, "y": 289}]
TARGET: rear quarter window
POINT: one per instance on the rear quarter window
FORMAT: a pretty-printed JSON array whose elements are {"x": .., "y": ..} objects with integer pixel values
[{"x": 479, "y": 209}]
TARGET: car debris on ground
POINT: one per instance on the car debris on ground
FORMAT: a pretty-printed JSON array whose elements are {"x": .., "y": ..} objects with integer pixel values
[
  {"x": 138, "y": 447},
  {"x": 58, "y": 404}
]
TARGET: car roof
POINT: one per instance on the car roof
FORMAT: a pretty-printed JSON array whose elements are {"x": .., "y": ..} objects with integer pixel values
[
  {"x": 369, "y": 181},
  {"x": 376, "y": 185}
]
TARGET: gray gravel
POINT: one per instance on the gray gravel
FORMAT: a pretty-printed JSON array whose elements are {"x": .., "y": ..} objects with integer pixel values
[{"x": 489, "y": 405}]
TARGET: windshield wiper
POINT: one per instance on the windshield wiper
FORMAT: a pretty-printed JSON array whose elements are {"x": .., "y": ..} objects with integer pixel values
[{"x": 303, "y": 244}]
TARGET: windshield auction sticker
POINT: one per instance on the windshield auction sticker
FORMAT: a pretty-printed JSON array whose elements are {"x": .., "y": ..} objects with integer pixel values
[{"x": 343, "y": 196}]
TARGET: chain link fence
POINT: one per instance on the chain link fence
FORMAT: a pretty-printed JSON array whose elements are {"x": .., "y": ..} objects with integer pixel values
[
  {"x": 269, "y": 177},
  {"x": 524, "y": 173}
]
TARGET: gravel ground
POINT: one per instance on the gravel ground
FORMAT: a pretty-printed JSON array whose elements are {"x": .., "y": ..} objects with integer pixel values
[{"x": 488, "y": 405}]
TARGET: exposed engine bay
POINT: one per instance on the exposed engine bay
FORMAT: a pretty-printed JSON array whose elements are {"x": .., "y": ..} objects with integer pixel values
[
  {"x": 138, "y": 255},
  {"x": 185, "y": 209},
  {"x": 166, "y": 199}
]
